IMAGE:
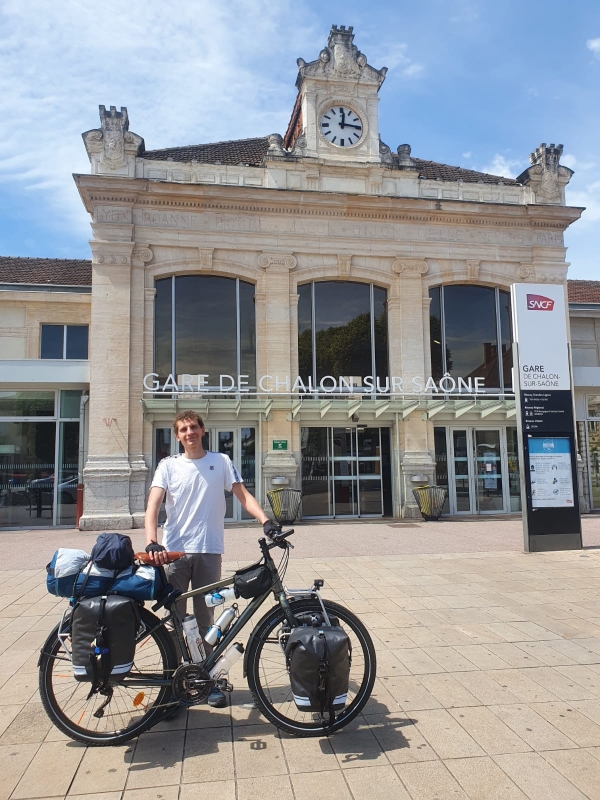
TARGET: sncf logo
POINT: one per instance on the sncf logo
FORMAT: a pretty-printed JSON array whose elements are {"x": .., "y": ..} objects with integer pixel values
[{"x": 537, "y": 302}]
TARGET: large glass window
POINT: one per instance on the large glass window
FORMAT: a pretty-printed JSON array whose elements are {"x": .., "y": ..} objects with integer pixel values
[
  {"x": 205, "y": 325},
  {"x": 469, "y": 328},
  {"x": 64, "y": 341},
  {"x": 39, "y": 458},
  {"x": 342, "y": 331}
]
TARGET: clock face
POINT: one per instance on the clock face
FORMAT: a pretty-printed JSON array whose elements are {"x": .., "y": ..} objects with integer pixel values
[{"x": 341, "y": 126}]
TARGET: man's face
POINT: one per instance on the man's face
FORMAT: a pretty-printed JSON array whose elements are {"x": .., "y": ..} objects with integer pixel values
[{"x": 189, "y": 433}]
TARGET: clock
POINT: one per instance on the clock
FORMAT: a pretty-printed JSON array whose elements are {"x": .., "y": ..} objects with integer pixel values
[{"x": 341, "y": 126}]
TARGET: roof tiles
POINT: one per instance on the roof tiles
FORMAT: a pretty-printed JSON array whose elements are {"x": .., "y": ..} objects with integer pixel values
[
  {"x": 54, "y": 271},
  {"x": 584, "y": 291}
]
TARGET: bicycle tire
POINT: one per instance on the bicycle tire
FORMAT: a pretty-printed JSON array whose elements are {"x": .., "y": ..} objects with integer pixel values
[
  {"x": 65, "y": 699},
  {"x": 275, "y": 700}
]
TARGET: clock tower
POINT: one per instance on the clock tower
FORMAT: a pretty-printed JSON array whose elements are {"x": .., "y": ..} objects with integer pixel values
[{"x": 335, "y": 118}]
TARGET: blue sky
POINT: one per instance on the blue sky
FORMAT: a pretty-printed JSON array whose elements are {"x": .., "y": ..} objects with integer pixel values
[{"x": 471, "y": 82}]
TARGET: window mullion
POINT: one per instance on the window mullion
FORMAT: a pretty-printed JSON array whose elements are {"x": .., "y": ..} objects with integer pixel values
[
  {"x": 238, "y": 328},
  {"x": 173, "y": 348},
  {"x": 371, "y": 303},
  {"x": 64, "y": 342},
  {"x": 499, "y": 358},
  {"x": 443, "y": 326},
  {"x": 313, "y": 333}
]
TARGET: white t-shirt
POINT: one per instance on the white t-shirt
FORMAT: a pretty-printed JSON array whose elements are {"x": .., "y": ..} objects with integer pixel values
[{"x": 195, "y": 500}]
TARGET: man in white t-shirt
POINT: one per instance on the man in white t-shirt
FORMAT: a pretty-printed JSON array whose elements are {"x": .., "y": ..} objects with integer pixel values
[{"x": 194, "y": 484}]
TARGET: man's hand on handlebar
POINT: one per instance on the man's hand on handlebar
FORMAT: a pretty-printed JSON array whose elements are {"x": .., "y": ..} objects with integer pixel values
[
  {"x": 270, "y": 528},
  {"x": 157, "y": 553}
]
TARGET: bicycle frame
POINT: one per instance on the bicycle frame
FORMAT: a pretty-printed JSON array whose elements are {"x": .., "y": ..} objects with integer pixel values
[{"x": 277, "y": 589}]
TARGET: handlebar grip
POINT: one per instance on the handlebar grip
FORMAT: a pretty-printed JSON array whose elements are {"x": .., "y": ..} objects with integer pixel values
[{"x": 145, "y": 557}]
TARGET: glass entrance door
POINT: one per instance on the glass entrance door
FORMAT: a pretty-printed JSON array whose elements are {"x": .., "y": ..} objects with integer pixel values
[
  {"x": 483, "y": 474},
  {"x": 346, "y": 472},
  {"x": 238, "y": 444}
]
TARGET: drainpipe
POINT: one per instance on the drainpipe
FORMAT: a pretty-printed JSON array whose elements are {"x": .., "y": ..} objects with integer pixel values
[{"x": 79, "y": 508}]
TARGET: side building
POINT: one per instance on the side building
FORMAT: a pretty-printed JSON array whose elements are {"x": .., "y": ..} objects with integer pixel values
[{"x": 338, "y": 312}]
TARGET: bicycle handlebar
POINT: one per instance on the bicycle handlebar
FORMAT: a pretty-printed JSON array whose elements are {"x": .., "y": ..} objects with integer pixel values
[{"x": 145, "y": 557}]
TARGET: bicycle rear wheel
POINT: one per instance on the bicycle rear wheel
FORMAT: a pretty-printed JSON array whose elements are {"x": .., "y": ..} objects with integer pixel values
[
  {"x": 131, "y": 710},
  {"x": 269, "y": 680}
]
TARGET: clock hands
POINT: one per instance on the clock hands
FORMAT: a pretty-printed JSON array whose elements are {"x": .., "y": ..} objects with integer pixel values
[{"x": 347, "y": 125}]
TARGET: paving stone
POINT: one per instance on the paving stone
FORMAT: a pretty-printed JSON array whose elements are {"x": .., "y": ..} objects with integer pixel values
[
  {"x": 206, "y": 790},
  {"x": 577, "y": 726},
  {"x": 376, "y": 783},
  {"x": 299, "y": 752},
  {"x": 410, "y": 693},
  {"x": 485, "y": 688},
  {"x": 14, "y": 759},
  {"x": 483, "y": 779},
  {"x": 579, "y": 767},
  {"x": 449, "y": 659},
  {"x": 30, "y": 725},
  {"x": 537, "y": 778},
  {"x": 98, "y": 770},
  {"x": 151, "y": 793},
  {"x": 489, "y": 731},
  {"x": 445, "y": 735},
  {"x": 532, "y": 728},
  {"x": 430, "y": 781},
  {"x": 208, "y": 755},
  {"x": 156, "y": 760},
  {"x": 308, "y": 785},
  {"x": 357, "y": 746},
  {"x": 399, "y": 738},
  {"x": 518, "y": 682},
  {"x": 257, "y": 752},
  {"x": 448, "y": 690},
  {"x": 50, "y": 772},
  {"x": 416, "y": 661}
]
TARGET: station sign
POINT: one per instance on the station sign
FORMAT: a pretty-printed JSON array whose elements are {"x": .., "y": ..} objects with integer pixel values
[{"x": 547, "y": 446}]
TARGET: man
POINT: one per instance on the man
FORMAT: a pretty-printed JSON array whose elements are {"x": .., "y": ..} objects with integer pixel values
[{"x": 194, "y": 483}]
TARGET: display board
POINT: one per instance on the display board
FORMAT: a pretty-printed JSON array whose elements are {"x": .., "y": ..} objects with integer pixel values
[{"x": 547, "y": 446}]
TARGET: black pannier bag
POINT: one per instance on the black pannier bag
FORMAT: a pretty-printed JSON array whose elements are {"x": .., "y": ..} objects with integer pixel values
[
  {"x": 252, "y": 581},
  {"x": 318, "y": 660},
  {"x": 103, "y": 634}
]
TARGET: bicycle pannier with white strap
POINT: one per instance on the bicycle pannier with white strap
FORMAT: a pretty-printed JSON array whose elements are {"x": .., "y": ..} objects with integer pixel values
[
  {"x": 318, "y": 660},
  {"x": 103, "y": 637}
]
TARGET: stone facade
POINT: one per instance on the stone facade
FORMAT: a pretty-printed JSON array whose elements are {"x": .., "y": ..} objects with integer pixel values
[{"x": 309, "y": 211}]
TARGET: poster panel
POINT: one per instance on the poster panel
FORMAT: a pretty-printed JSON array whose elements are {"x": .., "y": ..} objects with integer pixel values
[{"x": 551, "y": 472}]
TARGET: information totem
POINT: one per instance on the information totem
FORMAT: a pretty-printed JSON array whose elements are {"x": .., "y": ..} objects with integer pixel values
[{"x": 547, "y": 445}]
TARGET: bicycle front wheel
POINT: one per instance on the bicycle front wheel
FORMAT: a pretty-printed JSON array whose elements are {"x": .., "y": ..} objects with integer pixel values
[
  {"x": 269, "y": 680},
  {"x": 131, "y": 710}
]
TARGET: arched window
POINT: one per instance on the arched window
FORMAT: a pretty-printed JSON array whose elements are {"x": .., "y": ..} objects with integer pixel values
[
  {"x": 342, "y": 331},
  {"x": 469, "y": 327},
  {"x": 205, "y": 325}
]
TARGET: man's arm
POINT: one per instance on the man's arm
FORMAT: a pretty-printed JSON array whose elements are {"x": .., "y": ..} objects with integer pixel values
[
  {"x": 151, "y": 522},
  {"x": 249, "y": 503}
]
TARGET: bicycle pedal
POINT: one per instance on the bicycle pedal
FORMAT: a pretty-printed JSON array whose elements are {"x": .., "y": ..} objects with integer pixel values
[{"x": 225, "y": 686}]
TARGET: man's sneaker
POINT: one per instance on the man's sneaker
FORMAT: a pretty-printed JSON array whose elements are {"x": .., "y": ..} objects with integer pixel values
[{"x": 216, "y": 698}]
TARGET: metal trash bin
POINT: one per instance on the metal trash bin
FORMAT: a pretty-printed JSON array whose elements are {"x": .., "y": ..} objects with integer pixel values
[
  {"x": 285, "y": 504},
  {"x": 430, "y": 500}
]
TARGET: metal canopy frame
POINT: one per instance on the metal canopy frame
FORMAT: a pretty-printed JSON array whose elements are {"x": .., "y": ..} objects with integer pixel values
[{"x": 330, "y": 409}]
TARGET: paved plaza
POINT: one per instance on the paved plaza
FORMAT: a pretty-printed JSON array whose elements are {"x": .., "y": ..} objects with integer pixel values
[{"x": 488, "y": 679}]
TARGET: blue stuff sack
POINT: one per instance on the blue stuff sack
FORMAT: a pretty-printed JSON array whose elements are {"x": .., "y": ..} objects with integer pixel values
[
  {"x": 140, "y": 583},
  {"x": 63, "y": 570},
  {"x": 113, "y": 551},
  {"x": 72, "y": 574}
]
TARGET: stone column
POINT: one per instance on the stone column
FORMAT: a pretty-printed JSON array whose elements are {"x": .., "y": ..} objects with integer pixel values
[
  {"x": 277, "y": 358},
  {"x": 409, "y": 336},
  {"x": 107, "y": 472},
  {"x": 142, "y": 255}
]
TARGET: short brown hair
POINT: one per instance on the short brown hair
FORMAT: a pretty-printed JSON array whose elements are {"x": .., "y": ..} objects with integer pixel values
[{"x": 193, "y": 415}]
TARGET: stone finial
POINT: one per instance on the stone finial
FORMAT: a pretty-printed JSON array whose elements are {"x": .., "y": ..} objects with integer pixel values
[
  {"x": 546, "y": 176},
  {"x": 276, "y": 149},
  {"x": 404, "y": 159},
  {"x": 385, "y": 153},
  {"x": 340, "y": 59},
  {"x": 112, "y": 149}
]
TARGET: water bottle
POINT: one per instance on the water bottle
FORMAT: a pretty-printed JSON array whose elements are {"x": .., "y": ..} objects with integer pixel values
[
  {"x": 214, "y": 633},
  {"x": 220, "y": 597},
  {"x": 224, "y": 664},
  {"x": 194, "y": 640}
]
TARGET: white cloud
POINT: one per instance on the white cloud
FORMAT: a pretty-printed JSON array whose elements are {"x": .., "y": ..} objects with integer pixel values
[
  {"x": 393, "y": 56},
  {"x": 594, "y": 46},
  {"x": 468, "y": 154},
  {"x": 504, "y": 167},
  {"x": 569, "y": 160},
  {"x": 187, "y": 73},
  {"x": 589, "y": 198}
]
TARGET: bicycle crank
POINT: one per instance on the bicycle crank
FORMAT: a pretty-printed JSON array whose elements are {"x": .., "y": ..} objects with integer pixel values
[{"x": 191, "y": 684}]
